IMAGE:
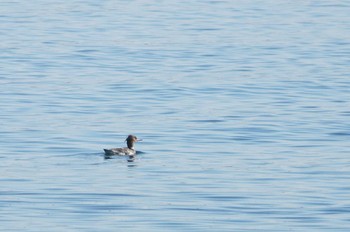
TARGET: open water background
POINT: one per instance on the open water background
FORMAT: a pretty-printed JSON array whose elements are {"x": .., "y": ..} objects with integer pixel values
[{"x": 243, "y": 106}]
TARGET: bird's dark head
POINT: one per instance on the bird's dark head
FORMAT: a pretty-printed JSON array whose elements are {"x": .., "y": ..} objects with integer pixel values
[{"x": 130, "y": 140}]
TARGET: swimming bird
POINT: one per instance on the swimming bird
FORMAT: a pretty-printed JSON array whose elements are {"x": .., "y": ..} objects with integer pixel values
[{"x": 130, "y": 150}]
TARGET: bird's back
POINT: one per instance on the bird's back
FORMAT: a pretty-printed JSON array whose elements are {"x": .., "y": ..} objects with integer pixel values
[{"x": 119, "y": 151}]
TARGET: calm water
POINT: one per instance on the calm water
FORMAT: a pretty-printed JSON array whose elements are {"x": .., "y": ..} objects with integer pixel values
[{"x": 243, "y": 106}]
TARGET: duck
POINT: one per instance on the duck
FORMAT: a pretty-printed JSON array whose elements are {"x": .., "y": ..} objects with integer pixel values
[{"x": 130, "y": 150}]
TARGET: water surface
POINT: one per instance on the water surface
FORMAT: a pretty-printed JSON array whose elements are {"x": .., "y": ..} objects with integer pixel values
[{"x": 243, "y": 107}]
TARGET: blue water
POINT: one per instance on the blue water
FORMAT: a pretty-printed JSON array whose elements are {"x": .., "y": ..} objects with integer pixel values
[{"x": 243, "y": 108}]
